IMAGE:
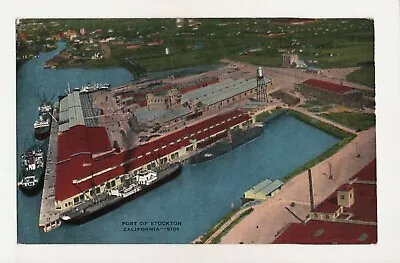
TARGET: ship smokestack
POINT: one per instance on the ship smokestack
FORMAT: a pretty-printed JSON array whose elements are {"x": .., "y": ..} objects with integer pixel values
[{"x": 311, "y": 190}]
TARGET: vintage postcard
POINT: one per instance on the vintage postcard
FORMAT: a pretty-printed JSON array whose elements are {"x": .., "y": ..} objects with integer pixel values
[
  {"x": 189, "y": 130},
  {"x": 202, "y": 133}
]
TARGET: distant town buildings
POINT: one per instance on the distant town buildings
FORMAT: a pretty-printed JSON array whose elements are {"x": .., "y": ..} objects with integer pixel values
[
  {"x": 70, "y": 34},
  {"x": 97, "y": 55},
  {"x": 289, "y": 59},
  {"x": 24, "y": 36},
  {"x": 191, "y": 22},
  {"x": 180, "y": 22}
]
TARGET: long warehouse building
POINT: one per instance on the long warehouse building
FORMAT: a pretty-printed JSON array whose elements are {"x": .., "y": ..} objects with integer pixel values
[
  {"x": 222, "y": 94},
  {"x": 87, "y": 164}
]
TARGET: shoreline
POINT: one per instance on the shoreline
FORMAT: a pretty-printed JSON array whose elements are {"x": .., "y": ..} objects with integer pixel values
[
  {"x": 299, "y": 113},
  {"x": 345, "y": 139},
  {"x": 271, "y": 216}
]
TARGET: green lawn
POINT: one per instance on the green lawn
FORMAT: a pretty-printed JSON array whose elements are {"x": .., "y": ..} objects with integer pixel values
[
  {"x": 364, "y": 76},
  {"x": 315, "y": 105},
  {"x": 369, "y": 93},
  {"x": 353, "y": 120},
  {"x": 260, "y": 59},
  {"x": 349, "y": 56}
]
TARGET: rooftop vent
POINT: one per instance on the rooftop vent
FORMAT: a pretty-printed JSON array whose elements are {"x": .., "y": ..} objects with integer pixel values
[
  {"x": 319, "y": 232},
  {"x": 363, "y": 237}
]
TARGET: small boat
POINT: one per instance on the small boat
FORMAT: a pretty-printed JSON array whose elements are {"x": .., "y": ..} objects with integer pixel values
[
  {"x": 43, "y": 124},
  {"x": 32, "y": 170}
]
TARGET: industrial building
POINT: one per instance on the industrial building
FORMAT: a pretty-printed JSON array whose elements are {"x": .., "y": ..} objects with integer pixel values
[
  {"x": 289, "y": 59},
  {"x": 263, "y": 190},
  {"x": 168, "y": 118},
  {"x": 347, "y": 216},
  {"x": 222, "y": 94},
  {"x": 171, "y": 100},
  {"x": 87, "y": 164},
  {"x": 77, "y": 109},
  {"x": 190, "y": 100},
  {"x": 155, "y": 94},
  {"x": 331, "y": 92}
]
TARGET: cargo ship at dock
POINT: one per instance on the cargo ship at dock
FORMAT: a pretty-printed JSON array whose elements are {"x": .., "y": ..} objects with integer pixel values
[
  {"x": 235, "y": 139},
  {"x": 32, "y": 170},
  {"x": 132, "y": 187},
  {"x": 43, "y": 123}
]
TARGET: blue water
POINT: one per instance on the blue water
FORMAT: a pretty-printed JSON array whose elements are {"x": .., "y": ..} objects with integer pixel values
[{"x": 197, "y": 199}]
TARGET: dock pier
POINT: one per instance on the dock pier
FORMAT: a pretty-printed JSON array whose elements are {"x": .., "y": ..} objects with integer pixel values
[{"x": 49, "y": 217}]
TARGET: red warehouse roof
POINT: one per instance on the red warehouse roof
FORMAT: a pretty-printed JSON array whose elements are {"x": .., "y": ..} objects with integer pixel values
[
  {"x": 337, "y": 88},
  {"x": 82, "y": 139},
  {"x": 368, "y": 173},
  {"x": 82, "y": 165},
  {"x": 327, "y": 232},
  {"x": 322, "y": 232}
]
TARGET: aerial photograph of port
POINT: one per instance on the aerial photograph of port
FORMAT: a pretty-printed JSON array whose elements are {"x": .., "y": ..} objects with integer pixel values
[{"x": 196, "y": 131}]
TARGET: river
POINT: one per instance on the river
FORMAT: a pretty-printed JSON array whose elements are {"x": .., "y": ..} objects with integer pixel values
[{"x": 194, "y": 201}]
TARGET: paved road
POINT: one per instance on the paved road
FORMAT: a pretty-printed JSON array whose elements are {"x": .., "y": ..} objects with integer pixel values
[
  {"x": 271, "y": 215},
  {"x": 48, "y": 213}
]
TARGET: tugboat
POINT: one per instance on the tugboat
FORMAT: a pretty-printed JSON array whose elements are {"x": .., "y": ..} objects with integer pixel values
[
  {"x": 132, "y": 186},
  {"x": 32, "y": 170},
  {"x": 42, "y": 124}
]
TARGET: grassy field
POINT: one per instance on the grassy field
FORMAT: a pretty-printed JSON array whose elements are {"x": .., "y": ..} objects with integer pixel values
[
  {"x": 315, "y": 105},
  {"x": 326, "y": 127},
  {"x": 354, "y": 120},
  {"x": 346, "y": 55},
  {"x": 330, "y": 42},
  {"x": 364, "y": 76},
  {"x": 369, "y": 93}
]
